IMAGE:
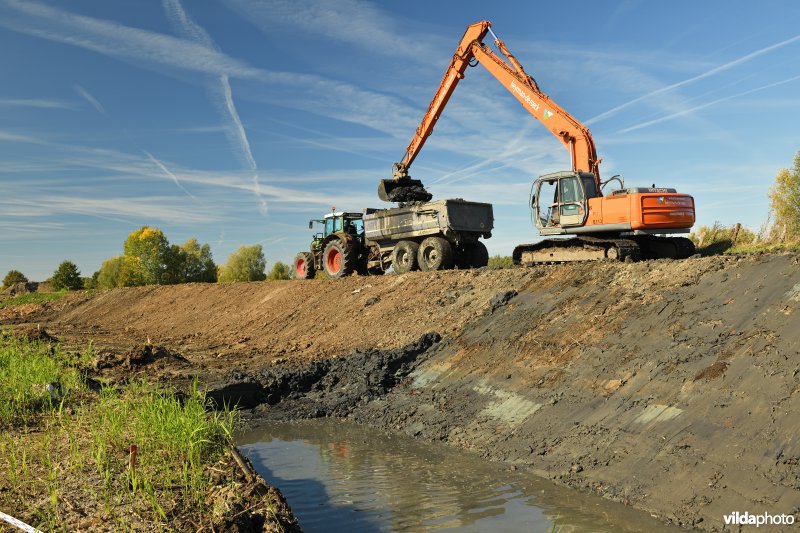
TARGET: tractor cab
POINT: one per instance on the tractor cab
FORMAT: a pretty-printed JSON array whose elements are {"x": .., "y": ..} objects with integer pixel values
[{"x": 341, "y": 222}]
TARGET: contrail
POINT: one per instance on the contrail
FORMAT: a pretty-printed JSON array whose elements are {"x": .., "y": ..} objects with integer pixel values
[
  {"x": 91, "y": 99},
  {"x": 236, "y": 132},
  {"x": 715, "y": 70},
  {"x": 166, "y": 171},
  {"x": 703, "y": 106}
]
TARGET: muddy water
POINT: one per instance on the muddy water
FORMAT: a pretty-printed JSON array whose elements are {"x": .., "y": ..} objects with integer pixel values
[{"x": 339, "y": 476}]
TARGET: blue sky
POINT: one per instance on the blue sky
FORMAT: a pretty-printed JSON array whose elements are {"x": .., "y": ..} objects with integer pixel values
[{"x": 236, "y": 121}]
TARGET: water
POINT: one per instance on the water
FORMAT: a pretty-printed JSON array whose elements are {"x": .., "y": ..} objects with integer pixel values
[{"x": 340, "y": 476}]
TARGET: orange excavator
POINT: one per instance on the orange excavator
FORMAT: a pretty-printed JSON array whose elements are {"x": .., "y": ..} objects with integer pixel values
[{"x": 623, "y": 224}]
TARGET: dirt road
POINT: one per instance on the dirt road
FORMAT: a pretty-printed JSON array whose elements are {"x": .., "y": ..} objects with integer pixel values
[{"x": 670, "y": 385}]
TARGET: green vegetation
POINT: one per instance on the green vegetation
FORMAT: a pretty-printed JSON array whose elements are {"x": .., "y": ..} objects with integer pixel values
[
  {"x": 108, "y": 275},
  {"x": 501, "y": 261},
  {"x": 32, "y": 298},
  {"x": 13, "y": 277},
  {"x": 245, "y": 264},
  {"x": 192, "y": 263},
  {"x": 26, "y": 368},
  {"x": 279, "y": 271},
  {"x": 67, "y": 277},
  {"x": 149, "y": 259},
  {"x": 66, "y": 447},
  {"x": 784, "y": 196},
  {"x": 781, "y": 232}
]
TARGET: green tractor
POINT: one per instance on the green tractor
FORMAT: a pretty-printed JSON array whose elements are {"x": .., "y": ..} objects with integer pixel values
[{"x": 339, "y": 250}]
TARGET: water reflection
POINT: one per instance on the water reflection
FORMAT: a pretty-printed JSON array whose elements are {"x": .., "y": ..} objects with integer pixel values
[{"x": 341, "y": 476}]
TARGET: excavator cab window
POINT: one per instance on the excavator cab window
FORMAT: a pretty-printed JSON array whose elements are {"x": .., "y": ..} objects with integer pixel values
[
  {"x": 560, "y": 202},
  {"x": 572, "y": 201}
]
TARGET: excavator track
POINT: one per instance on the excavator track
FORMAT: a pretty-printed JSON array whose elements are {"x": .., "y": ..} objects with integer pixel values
[
  {"x": 586, "y": 248},
  {"x": 576, "y": 249}
]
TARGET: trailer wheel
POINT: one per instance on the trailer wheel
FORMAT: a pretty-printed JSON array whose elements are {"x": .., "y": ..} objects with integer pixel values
[
  {"x": 338, "y": 259},
  {"x": 304, "y": 266},
  {"x": 404, "y": 257},
  {"x": 435, "y": 253},
  {"x": 477, "y": 255}
]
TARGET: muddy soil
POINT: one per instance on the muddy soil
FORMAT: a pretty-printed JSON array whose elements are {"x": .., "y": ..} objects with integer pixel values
[{"x": 669, "y": 385}]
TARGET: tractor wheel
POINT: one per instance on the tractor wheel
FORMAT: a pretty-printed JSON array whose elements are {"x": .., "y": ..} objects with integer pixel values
[
  {"x": 304, "y": 266},
  {"x": 435, "y": 253},
  {"x": 477, "y": 255},
  {"x": 338, "y": 259},
  {"x": 404, "y": 257}
]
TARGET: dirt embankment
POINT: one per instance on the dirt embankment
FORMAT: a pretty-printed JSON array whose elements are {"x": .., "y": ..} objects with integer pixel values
[{"x": 673, "y": 386}]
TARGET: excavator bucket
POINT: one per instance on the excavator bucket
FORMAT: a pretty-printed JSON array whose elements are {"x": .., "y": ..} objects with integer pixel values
[{"x": 403, "y": 190}]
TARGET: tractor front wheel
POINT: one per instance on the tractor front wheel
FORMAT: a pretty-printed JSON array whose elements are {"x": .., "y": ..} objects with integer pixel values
[{"x": 304, "y": 266}]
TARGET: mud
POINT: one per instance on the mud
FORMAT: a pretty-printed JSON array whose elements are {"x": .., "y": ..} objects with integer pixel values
[{"x": 671, "y": 386}]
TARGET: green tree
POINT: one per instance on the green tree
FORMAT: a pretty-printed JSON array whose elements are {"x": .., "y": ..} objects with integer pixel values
[
  {"x": 67, "y": 276},
  {"x": 199, "y": 265},
  {"x": 785, "y": 198},
  {"x": 279, "y": 270},
  {"x": 146, "y": 257},
  {"x": 245, "y": 264},
  {"x": 108, "y": 276},
  {"x": 13, "y": 277},
  {"x": 91, "y": 282}
]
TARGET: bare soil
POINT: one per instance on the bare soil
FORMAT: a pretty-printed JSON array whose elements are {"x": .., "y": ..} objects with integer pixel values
[{"x": 671, "y": 386}]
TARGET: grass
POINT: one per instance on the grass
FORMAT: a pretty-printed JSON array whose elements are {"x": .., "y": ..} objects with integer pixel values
[
  {"x": 718, "y": 239},
  {"x": 32, "y": 298},
  {"x": 71, "y": 450}
]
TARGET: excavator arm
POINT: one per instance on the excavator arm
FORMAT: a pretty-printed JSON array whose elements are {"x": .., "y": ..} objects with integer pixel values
[{"x": 574, "y": 135}]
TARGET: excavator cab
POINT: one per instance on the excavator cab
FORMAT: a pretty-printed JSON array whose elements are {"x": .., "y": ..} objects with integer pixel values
[{"x": 559, "y": 200}]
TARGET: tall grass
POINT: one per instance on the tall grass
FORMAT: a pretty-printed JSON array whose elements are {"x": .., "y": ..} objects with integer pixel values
[
  {"x": 26, "y": 370},
  {"x": 86, "y": 436}
]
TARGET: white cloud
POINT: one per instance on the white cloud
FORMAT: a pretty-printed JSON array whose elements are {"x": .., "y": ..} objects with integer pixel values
[{"x": 349, "y": 21}]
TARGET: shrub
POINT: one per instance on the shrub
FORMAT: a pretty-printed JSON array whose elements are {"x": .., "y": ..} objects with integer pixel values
[
  {"x": 501, "y": 261},
  {"x": 12, "y": 278},
  {"x": 109, "y": 273},
  {"x": 279, "y": 271},
  {"x": 245, "y": 264}
]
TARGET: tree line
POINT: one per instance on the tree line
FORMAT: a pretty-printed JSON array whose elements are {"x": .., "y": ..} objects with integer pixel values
[{"x": 148, "y": 258}]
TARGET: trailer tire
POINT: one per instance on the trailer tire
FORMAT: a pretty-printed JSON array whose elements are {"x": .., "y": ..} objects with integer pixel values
[
  {"x": 477, "y": 255},
  {"x": 304, "y": 266},
  {"x": 404, "y": 257},
  {"x": 435, "y": 253},
  {"x": 339, "y": 259}
]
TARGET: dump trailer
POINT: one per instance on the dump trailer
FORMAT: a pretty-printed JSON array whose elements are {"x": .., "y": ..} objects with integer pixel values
[{"x": 415, "y": 236}]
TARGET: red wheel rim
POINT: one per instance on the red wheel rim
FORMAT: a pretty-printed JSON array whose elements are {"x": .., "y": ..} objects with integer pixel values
[
  {"x": 334, "y": 261},
  {"x": 300, "y": 268}
]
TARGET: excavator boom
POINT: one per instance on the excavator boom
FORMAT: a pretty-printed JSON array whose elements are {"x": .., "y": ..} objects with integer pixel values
[{"x": 574, "y": 135}]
